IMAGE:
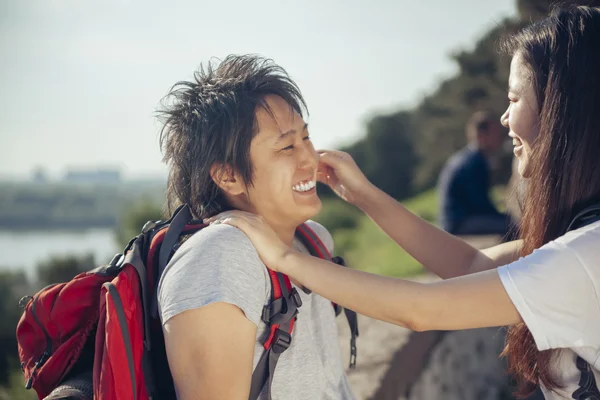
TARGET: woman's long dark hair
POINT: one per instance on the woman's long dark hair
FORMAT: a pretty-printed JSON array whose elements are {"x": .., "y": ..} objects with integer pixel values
[{"x": 562, "y": 53}]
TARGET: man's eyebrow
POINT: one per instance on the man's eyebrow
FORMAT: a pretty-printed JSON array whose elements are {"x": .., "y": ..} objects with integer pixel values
[{"x": 290, "y": 133}]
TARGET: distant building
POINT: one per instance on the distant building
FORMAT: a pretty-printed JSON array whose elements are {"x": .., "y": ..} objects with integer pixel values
[
  {"x": 39, "y": 175},
  {"x": 93, "y": 176}
]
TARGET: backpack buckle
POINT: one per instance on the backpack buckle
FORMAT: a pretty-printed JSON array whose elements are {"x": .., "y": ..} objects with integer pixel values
[
  {"x": 281, "y": 341},
  {"x": 277, "y": 311},
  {"x": 295, "y": 298},
  {"x": 270, "y": 310}
]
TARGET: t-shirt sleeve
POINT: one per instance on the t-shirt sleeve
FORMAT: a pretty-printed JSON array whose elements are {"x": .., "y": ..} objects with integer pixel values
[
  {"x": 217, "y": 264},
  {"x": 555, "y": 294},
  {"x": 322, "y": 233}
]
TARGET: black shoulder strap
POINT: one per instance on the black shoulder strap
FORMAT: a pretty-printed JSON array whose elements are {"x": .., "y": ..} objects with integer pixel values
[
  {"x": 587, "y": 216},
  {"x": 588, "y": 389},
  {"x": 317, "y": 248},
  {"x": 178, "y": 222},
  {"x": 181, "y": 218},
  {"x": 352, "y": 318},
  {"x": 280, "y": 316}
]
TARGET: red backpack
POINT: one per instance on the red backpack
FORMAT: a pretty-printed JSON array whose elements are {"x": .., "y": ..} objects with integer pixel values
[{"x": 99, "y": 334}]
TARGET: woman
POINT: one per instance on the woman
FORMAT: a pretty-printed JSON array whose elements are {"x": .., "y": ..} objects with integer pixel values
[{"x": 545, "y": 286}]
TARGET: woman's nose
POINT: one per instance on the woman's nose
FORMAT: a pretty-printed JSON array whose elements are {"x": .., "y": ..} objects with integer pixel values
[{"x": 504, "y": 118}]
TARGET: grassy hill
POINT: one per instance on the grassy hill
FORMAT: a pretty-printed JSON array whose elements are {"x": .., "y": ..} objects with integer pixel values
[{"x": 365, "y": 247}]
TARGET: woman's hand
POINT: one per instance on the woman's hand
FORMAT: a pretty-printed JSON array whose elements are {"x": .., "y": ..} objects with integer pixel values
[
  {"x": 339, "y": 171},
  {"x": 271, "y": 249}
]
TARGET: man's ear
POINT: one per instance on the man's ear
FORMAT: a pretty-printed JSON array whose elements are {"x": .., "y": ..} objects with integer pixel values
[{"x": 225, "y": 178}]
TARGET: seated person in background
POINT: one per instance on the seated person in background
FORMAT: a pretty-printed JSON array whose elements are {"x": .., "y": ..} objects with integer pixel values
[
  {"x": 464, "y": 184},
  {"x": 235, "y": 138}
]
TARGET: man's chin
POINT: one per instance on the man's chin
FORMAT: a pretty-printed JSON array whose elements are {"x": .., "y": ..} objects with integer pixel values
[{"x": 310, "y": 212}]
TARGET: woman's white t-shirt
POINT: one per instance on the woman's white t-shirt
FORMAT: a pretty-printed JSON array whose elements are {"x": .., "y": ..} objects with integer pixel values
[{"x": 556, "y": 290}]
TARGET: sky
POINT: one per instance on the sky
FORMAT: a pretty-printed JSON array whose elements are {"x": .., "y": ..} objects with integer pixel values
[{"x": 81, "y": 79}]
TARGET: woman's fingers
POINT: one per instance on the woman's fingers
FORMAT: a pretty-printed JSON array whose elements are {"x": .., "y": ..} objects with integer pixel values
[
  {"x": 234, "y": 216},
  {"x": 332, "y": 158},
  {"x": 322, "y": 177},
  {"x": 268, "y": 245}
]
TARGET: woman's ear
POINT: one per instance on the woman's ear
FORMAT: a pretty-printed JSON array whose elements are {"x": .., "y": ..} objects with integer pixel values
[{"x": 224, "y": 177}]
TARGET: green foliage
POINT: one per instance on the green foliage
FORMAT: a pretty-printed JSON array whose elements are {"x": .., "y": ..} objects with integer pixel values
[
  {"x": 387, "y": 155},
  {"x": 63, "y": 268},
  {"x": 133, "y": 219},
  {"x": 440, "y": 119},
  {"x": 12, "y": 285},
  {"x": 369, "y": 249},
  {"x": 425, "y": 205},
  {"x": 403, "y": 152},
  {"x": 337, "y": 214},
  {"x": 532, "y": 10},
  {"x": 15, "y": 388},
  {"x": 366, "y": 247}
]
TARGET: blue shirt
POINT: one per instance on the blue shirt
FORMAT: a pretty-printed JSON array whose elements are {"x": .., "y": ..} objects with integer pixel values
[{"x": 464, "y": 186}]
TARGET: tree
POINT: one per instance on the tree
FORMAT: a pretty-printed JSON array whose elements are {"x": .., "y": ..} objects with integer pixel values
[
  {"x": 532, "y": 10},
  {"x": 12, "y": 285},
  {"x": 389, "y": 156},
  {"x": 133, "y": 219},
  {"x": 405, "y": 151},
  {"x": 63, "y": 268}
]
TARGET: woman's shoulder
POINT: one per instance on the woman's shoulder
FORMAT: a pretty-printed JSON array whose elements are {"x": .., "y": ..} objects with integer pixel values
[{"x": 584, "y": 244}]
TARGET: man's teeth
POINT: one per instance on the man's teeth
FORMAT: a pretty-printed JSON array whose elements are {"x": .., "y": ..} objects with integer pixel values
[{"x": 304, "y": 187}]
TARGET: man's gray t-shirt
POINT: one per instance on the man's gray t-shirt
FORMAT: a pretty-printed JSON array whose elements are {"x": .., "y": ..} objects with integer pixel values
[{"x": 220, "y": 264}]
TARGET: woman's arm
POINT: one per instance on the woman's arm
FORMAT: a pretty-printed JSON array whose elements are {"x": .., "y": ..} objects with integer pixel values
[
  {"x": 438, "y": 251},
  {"x": 474, "y": 301}
]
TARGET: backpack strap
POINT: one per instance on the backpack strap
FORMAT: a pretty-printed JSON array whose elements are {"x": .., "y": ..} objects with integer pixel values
[
  {"x": 167, "y": 239},
  {"x": 317, "y": 248},
  {"x": 588, "y": 389},
  {"x": 352, "y": 322},
  {"x": 587, "y": 216},
  {"x": 181, "y": 218},
  {"x": 280, "y": 315}
]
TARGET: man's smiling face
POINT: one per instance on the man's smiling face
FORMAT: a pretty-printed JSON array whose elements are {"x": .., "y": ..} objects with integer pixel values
[{"x": 284, "y": 163}]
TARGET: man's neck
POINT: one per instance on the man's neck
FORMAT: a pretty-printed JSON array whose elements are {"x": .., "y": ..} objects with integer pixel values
[{"x": 285, "y": 233}]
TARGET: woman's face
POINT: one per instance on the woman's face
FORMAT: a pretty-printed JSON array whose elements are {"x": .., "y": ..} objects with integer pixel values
[{"x": 522, "y": 115}]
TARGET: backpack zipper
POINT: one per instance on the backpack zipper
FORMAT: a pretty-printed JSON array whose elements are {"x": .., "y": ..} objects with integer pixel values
[
  {"x": 118, "y": 304},
  {"x": 48, "y": 352}
]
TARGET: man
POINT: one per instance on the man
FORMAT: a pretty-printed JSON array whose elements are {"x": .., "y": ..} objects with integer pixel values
[
  {"x": 464, "y": 184},
  {"x": 234, "y": 138}
]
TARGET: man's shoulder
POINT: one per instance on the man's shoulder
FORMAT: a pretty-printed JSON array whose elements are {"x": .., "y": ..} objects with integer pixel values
[
  {"x": 456, "y": 160},
  {"x": 469, "y": 156},
  {"x": 221, "y": 247},
  {"x": 220, "y": 236},
  {"x": 464, "y": 162},
  {"x": 216, "y": 264}
]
